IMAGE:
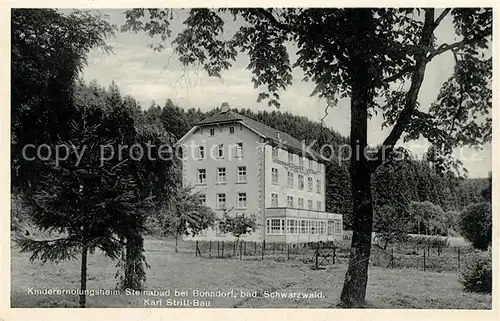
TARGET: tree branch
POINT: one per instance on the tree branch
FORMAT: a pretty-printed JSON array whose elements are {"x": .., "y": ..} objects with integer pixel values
[
  {"x": 441, "y": 17},
  {"x": 269, "y": 16},
  {"x": 457, "y": 45},
  {"x": 400, "y": 74},
  {"x": 412, "y": 95}
]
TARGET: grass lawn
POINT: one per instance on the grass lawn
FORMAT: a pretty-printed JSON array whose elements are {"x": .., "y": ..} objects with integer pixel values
[{"x": 387, "y": 288}]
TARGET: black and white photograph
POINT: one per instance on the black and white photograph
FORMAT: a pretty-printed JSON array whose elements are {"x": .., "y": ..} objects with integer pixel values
[{"x": 252, "y": 157}]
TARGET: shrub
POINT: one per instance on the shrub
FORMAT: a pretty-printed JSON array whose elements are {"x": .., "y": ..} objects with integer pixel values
[
  {"x": 475, "y": 225},
  {"x": 390, "y": 224},
  {"x": 431, "y": 241},
  {"x": 476, "y": 275}
]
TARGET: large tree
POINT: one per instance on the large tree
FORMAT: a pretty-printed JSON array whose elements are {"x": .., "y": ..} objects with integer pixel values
[
  {"x": 49, "y": 49},
  {"x": 184, "y": 214},
  {"x": 87, "y": 203},
  {"x": 364, "y": 54}
]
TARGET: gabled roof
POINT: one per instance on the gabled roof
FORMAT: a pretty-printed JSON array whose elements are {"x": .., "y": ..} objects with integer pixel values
[{"x": 275, "y": 136}]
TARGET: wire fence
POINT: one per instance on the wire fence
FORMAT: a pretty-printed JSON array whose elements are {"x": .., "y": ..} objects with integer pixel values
[
  {"x": 323, "y": 252},
  {"x": 425, "y": 257}
]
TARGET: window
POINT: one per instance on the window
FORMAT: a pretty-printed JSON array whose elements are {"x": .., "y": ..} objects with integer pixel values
[
  {"x": 291, "y": 226},
  {"x": 221, "y": 175},
  {"x": 202, "y": 176},
  {"x": 212, "y": 132},
  {"x": 239, "y": 150},
  {"x": 203, "y": 199},
  {"x": 303, "y": 226},
  {"x": 309, "y": 184},
  {"x": 231, "y": 129},
  {"x": 290, "y": 157},
  {"x": 338, "y": 227},
  {"x": 275, "y": 152},
  {"x": 315, "y": 165},
  {"x": 310, "y": 164},
  {"x": 290, "y": 179},
  {"x": 275, "y": 226},
  {"x": 242, "y": 200},
  {"x": 201, "y": 152},
  {"x": 313, "y": 225},
  {"x": 242, "y": 174},
  {"x": 220, "y": 151},
  {"x": 301, "y": 202},
  {"x": 321, "y": 227},
  {"x": 301, "y": 182},
  {"x": 330, "y": 227},
  {"x": 318, "y": 186},
  {"x": 310, "y": 204},
  {"x": 318, "y": 205},
  {"x": 289, "y": 201},
  {"x": 301, "y": 161},
  {"x": 221, "y": 201},
  {"x": 274, "y": 200},
  {"x": 274, "y": 175}
]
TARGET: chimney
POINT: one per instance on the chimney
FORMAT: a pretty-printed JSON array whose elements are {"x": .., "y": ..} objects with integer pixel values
[{"x": 224, "y": 107}]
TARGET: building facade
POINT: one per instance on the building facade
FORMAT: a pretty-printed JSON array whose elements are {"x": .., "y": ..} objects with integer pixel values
[{"x": 242, "y": 166}]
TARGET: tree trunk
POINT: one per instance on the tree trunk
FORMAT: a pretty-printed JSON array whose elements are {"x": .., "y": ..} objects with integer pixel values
[
  {"x": 134, "y": 270},
  {"x": 385, "y": 244},
  {"x": 354, "y": 290},
  {"x": 176, "y": 241},
  {"x": 83, "y": 276}
]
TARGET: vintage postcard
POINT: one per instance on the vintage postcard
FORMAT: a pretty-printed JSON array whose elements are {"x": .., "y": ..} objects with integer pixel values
[{"x": 207, "y": 157}]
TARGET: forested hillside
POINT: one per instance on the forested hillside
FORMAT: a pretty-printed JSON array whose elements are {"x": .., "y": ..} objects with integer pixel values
[{"x": 404, "y": 182}]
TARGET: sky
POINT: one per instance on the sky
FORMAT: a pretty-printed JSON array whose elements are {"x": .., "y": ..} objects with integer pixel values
[{"x": 149, "y": 76}]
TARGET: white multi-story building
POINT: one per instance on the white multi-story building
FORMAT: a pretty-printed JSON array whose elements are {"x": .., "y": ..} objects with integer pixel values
[{"x": 242, "y": 166}]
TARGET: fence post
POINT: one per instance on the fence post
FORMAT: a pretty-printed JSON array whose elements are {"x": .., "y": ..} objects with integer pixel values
[
  {"x": 218, "y": 250},
  {"x": 458, "y": 259},
  {"x": 263, "y": 249},
  {"x": 316, "y": 254},
  {"x": 210, "y": 249},
  {"x": 234, "y": 248},
  {"x": 223, "y": 248},
  {"x": 274, "y": 247},
  {"x": 288, "y": 251},
  {"x": 334, "y": 256},
  {"x": 241, "y": 250},
  {"x": 198, "y": 252},
  {"x": 245, "y": 249},
  {"x": 255, "y": 248},
  {"x": 196, "y": 249}
]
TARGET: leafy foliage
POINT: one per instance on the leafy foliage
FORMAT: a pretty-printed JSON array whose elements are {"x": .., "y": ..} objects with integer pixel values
[
  {"x": 428, "y": 217},
  {"x": 239, "y": 225},
  {"x": 476, "y": 275},
  {"x": 476, "y": 225},
  {"x": 391, "y": 225},
  {"x": 48, "y": 51},
  {"x": 184, "y": 214},
  {"x": 87, "y": 202}
]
